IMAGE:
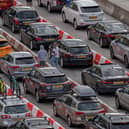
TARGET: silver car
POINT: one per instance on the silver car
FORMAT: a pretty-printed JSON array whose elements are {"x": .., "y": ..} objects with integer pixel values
[
  {"x": 12, "y": 109},
  {"x": 120, "y": 49},
  {"x": 18, "y": 64},
  {"x": 82, "y": 13}
]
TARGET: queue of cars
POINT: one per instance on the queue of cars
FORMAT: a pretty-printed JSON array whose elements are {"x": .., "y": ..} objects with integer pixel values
[{"x": 76, "y": 104}]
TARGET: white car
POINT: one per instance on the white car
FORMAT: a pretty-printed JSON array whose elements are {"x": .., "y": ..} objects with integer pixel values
[{"x": 82, "y": 13}]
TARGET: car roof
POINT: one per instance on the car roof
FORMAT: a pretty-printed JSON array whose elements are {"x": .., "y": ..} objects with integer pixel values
[
  {"x": 12, "y": 100},
  {"x": 84, "y": 91},
  {"x": 73, "y": 42},
  {"x": 35, "y": 24},
  {"x": 22, "y": 8},
  {"x": 86, "y": 3},
  {"x": 20, "y": 54},
  {"x": 50, "y": 71}
]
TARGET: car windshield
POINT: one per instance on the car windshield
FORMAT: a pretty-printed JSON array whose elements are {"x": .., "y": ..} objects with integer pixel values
[
  {"x": 89, "y": 106},
  {"x": 90, "y": 9},
  {"x": 123, "y": 125},
  {"x": 115, "y": 27},
  {"x": 25, "y": 60},
  {"x": 14, "y": 109},
  {"x": 113, "y": 71},
  {"x": 27, "y": 15},
  {"x": 43, "y": 30},
  {"x": 3, "y": 43},
  {"x": 55, "y": 79},
  {"x": 79, "y": 50}
]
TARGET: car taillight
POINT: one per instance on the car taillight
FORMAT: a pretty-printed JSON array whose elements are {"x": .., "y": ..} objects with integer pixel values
[
  {"x": 106, "y": 82},
  {"x": 103, "y": 111},
  {"x": 38, "y": 39},
  {"x": 28, "y": 114},
  {"x": 79, "y": 113},
  {"x": 37, "y": 65},
  {"x": 16, "y": 21},
  {"x": 127, "y": 81},
  {"x": 109, "y": 36},
  {"x": 5, "y": 117},
  {"x": 15, "y": 67}
]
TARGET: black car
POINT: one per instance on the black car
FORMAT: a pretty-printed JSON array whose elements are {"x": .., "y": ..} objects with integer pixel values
[
  {"x": 18, "y": 17},
  {"x": 47, "y": 83},
  {"x": 104, "y": 32},
  {"x": 75, "y": 52},
  {"x": 109, "y": 121},
  {"x": 32, "y": 123},
  {"x": 105, "y": 77},
  {"x": 39, "y": 33}
]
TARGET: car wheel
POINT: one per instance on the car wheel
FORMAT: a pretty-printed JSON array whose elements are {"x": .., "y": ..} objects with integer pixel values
[
  {"x": 55, "y": 111},
  {"x": 39, "y": 3},
  {"x": 88, "y": 35},
  {"x": 3, "y": 21},
  {"x": 37, "y": 97},
  {"x": 13, "y": 28},
  {"x": 112, "y": 53},
  {"x": 49, "y": 8},
  {"x": 62, "y": 62},
  {"x": 101, "y": 43},
  {"x": 31, "y": 45},
  {"x": 75, "y": 25},
  {"x": 25, "y": 88},
  {"x": 117, "y": 103},
  {"x": 126, "y": 61},
  {"x": 69, "y": 121},
  {"x": 64, "y": 18}
]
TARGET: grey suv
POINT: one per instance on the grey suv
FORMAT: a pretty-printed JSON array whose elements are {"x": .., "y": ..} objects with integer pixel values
[
  {"x": 12, "y": 109},
  {"x": 120, "y": 49}
]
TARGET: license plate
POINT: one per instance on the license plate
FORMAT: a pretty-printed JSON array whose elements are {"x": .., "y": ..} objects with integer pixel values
[
  {"x": 27, "y": 69},
  {"x": 119, "y": 82},
  {"x": 57, "y": 86},
  {"x": 18, "y": 119},
  {"x": 93, "y": 17},
  {"x": 50, "y": 39},
  {"x": 82, "y": 57},
  {"x": 89, "y": 117},
  {"x": 27, "y": 23}
]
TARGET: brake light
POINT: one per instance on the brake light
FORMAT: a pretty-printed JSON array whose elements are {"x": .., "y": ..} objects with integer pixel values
[
  {"x": 16, "y": 21},
  {"x": 15, "y": 67},
  {"x": 103, "y": 111},
  {"x": 106, "y": 82},
  {"x": 127, "y": 81},
  {"x": 38, "y": 39},
  {"x": 79, "y": 113},
  {"x": 28, "y": 114},
  {"x": 36, "y": 65},
  {"x": 5, "y": 117},
  {"x": 109, "y": 36}
]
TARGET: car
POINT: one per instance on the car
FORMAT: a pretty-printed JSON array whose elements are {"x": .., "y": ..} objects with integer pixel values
[
  {"x": 82, "y": 13},
  {"x": 78, "y": 105},
  {"x": 39, "y": 33},
  {"x": 5, "y": 47},
  {"x": 74, "y": 52},
  {"x": 105, "y": 31},
  {"x": 52, "y": 5},
  {"x": 121, "y": 98},
  {"x": 18, "y": 17},
  {"x": 17, "y": 64},
  {"x": 12, "y": 109},
  {"x": 109, "y": 121},
  {"x": 120, "y": 49},
  {"x": 47, "y": 83},
  {"x": 32, "y": 123},
  {"x": 105, "y": 78}
]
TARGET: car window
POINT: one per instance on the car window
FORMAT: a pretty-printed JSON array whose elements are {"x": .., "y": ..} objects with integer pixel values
[
  {"x": 90, "y": 9},
  {"x": 24, "y": 60},
  {"x": 68, "y": 101},
  {"x": 15, "y": 109},
  {"x": 74, "y": 7},
  {"x": 11, "y": 12}
]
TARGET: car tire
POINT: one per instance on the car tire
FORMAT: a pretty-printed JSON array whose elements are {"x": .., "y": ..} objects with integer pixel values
[
  {"x": 25, "y": 88},
  {"x": 88, "y": 35},
  {"x": 126, "y": 61},
  {"x": 49, "y": 8},
  {"x": 62, "y": 62},
  {"x": 117, "y": 103},
  {"x": 101, "y": 43},
  {"x": 112, "y": 53},
  {"x": 13, "y": 28},
  {"x": 55, "y": 111},
  {"x": 3, "y": 21},
  {"x": 37, "y": 97},
  {"x": 64, "y": 18},
  {"x": 39, "y": 3},
  {"x": 69, "y": 121},
  {"x": 31, "y": 45},
  {"x": 75, "y": 25}
]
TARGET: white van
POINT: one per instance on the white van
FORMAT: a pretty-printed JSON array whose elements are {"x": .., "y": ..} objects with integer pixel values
[{"x": 82, "y": 13}]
